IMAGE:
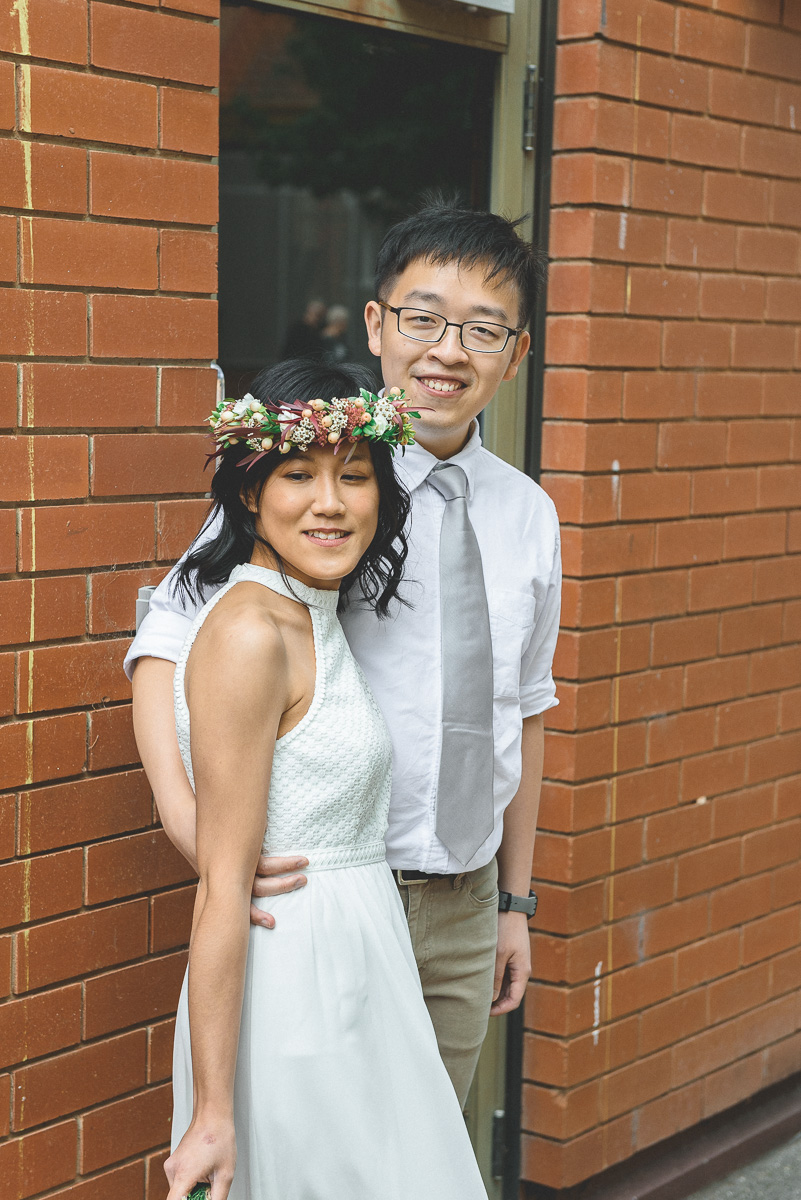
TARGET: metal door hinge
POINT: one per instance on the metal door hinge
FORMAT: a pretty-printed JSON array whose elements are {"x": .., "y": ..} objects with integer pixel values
[
  {"x": 530, "y": 94},
  {"x": 498, "y": 1142}
]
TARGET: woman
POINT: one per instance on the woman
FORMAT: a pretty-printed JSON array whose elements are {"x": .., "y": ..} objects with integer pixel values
[{"x": 312, "y": 1071}]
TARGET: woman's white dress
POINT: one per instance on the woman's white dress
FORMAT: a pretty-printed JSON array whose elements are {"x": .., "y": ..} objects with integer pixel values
[{"x": 340, "y": 1091}]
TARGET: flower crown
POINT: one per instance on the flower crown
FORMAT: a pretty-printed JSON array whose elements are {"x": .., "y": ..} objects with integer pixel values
[{"x": 263, "y": 425}]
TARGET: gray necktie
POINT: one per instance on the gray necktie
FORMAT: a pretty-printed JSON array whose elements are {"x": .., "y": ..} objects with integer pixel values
[{"x": 465, "y": 813}]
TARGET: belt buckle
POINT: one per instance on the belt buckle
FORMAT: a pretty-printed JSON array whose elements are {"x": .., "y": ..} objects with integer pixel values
[{"x": 408, "y": 882}]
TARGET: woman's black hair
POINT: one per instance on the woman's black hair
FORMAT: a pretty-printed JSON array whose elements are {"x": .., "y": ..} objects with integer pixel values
[{"x": 378, "y": 574}]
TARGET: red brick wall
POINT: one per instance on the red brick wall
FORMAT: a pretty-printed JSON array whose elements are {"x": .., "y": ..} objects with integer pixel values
[
  {"x": 671, "y": 819},
  {"x": 107, "y": 262}
]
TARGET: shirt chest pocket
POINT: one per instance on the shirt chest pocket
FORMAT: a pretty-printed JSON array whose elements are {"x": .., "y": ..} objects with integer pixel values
[{"x": 511, "y": 614}]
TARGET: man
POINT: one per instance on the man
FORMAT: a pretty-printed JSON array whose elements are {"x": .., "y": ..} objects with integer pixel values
[
  {"x": 463, "y": 674},
  {"x": 304, "y": 338}
]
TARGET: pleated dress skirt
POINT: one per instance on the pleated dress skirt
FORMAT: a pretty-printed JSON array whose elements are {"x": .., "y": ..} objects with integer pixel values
[{"x": 340, "y": 1091}]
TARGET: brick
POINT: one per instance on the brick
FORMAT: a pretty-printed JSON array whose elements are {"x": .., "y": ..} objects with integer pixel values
[
  {"x": 72, "y": 675},
  {"x": 768, "y": 251},
  {"x": 75, "y": 394},
  {"x": 663, "y": 293},
  {"x": 766, "y": 849},
  {"x": 629, "y": 237},
  {"x": 63, "y": 40},
  {"x": 41, "y": 1024},
  {"x": 706, "y": 869},
  {"x": 639, "y": 987},
  {"x": 41, "y": 1160},
  {"x": 71, "y": 813},
  {"x": 111, "y": 739},
  {"x": 131, "y": 464},
  {"x": 784, "y": 205},
  {"x": 786, "y": 887},
  {"x": 159, "y": 1051},
  {"x": 577, "y": 286},
  {"x": 763, "y": 346},
  {"x": 708, "y": 958},
  {"x": 153, "y": 189},
  {"x": 204, "y": 8},
  {"x": 775, "y": 757},
  {"x": 187, "y": 395},
  {"x": 783, "y": 300},
  {"x": 588, "y": 178},
  {"x": 80, "y": 1078},
  {"x": 791, "y": 710},
  {"x": 691, "y": 444},
  {"x": 778, "y": 579},
  {"x": 123, "y": 1183},
  {"x": 739, "y": 297},
  {"x": 112, "y": 607},
  {"x": 178, "y": 524},
  {"x": 777, "y": 487},
  {"x": 8, "y": 395},
  {"x": 7, "y": 825},
  {"x": 713, "y": 774},
  {"x": 126, "y": 1127},
  {"x": 672, "y": 83},
  {"x": 750, "y": 628},
  {"x": 670, "y": 833},
  {"x": 654, "y": 497},
  {"x": 93, "y": 108},
  {"x": 42, "y": 323},
  {"x": 703, "y": 244},
  {"x": 669, "y": 1114},
  {"x": 35, "y": 889},
  {"x": 779, "y": 396},
  {"x": 730, "y": 197},
  {"x": 132, "y": 996},
  {"x": 686, "y": 344},
  {"x": 594, "y": 67},
  {"x": 582, "y": 499},
  {"x": 675, "y": 925},
  {"x": 57, "y": 177},
  {"x": 774, "y": 52},
  {"x": 648, "y": 791},
  {"x": 747, "y": 720},
  {"x": 137, "y": 863},
  {"x": 44, "y": 468},
  {"x": 754, "y": 534},
  {"x": 49, "y": 748},
  {"x": 7, "y": 675},
  {"x": 89, "y": 253},
  {"x": 572, "y": 232},
  {"x": 739, "y": 992},
  {"x": 707, "y": 142},
  {"x": 77, "y": 945},
  {"x": 642, "y": 24},
  {"x": 677, "y": 1018},
  {"x": 581, "y": 394},
  {"x": 759, "y": 441},
  {"x": 724, "y": 491},
  {"x": 188, "y": 261},
  {"x": 710, "y": 37},
  {"x": 769, "y": 936},
  {"x": 688, "y": 542},
  {"x": 652, "y": 395},
  {"x": 153, "y": 327},
  {"x": 79, "y": 535},
  {"x": 684, "y": 640},
  {"x": 8, "y": 249},
  {"x": 642, "y": 889},
  {"x": 171, "y": 919},
  {"x": 656, "y": 594},
  {"x": 725, "y": 395},
  {"x": 774, "y": 669},
  {"x": 771, "y": 152},
  {"x": 143, "y": 43},
  {"x": 727, "y": 1087},
  {"x": 8, "y": 114},
  {"x": 189, "y": 121},
  {"x": 42, "y": 609}
]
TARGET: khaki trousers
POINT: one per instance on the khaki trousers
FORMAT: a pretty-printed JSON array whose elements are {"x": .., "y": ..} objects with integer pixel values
[{"x": 454, "y": 928}]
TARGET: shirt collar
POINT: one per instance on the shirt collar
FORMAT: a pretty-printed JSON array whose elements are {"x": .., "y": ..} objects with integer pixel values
[{"x": 417, "y": 463}]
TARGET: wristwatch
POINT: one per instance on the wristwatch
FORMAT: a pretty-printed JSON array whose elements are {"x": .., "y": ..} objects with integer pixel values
[{"x": 525, "y": 904}]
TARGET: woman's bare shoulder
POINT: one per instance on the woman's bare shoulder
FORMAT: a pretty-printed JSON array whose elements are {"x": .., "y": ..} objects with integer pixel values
[{"x": 243, "y": 631}]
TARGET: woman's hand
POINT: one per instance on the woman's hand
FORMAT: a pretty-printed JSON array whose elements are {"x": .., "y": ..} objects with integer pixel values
[
  {"x": 206, "y": 1153},
  {"x": 272, "y": 880}
]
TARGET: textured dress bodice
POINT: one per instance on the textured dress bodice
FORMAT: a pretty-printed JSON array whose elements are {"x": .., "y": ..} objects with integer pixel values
[{"x": 331, "y": 774}]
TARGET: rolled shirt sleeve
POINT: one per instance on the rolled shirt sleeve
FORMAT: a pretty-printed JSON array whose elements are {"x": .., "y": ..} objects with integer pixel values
[
  {"x": 537, "y": 688},
  {"x": 170, "y": 615}
]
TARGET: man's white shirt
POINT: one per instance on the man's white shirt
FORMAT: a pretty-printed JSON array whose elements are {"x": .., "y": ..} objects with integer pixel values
[{"x": 518, "y": 534}]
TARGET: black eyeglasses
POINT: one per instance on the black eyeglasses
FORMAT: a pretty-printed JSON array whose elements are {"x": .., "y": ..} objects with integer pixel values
[{"x": 484, "y": 337}]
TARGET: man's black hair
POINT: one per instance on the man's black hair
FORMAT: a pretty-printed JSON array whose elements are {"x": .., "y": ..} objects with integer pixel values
[{"x": 442, "y": 232}]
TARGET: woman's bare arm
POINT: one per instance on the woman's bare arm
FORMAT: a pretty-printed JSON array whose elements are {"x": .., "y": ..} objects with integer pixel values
[{"x": 237, "y": 694}]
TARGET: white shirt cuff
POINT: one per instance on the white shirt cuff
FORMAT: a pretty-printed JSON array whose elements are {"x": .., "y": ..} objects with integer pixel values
[{"x": 161, "y": 635}]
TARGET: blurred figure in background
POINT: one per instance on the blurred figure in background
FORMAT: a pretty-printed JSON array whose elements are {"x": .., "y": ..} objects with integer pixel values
[
  {"x": 304, "y": 338},
  {"x": 335, "y": 347}
]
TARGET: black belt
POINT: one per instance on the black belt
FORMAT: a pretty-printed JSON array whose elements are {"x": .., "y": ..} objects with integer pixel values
[{"x": 420, "y": 876}]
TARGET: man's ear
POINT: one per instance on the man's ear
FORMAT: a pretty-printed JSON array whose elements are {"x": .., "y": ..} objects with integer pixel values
[
  {"x": 373, "y": 316},
  {"x": 518, "y": 354}
]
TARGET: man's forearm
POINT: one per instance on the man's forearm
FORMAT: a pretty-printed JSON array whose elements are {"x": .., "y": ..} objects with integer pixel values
[
  {"x": 520, "y": 819},
  {"x": 157, "y": 741}
]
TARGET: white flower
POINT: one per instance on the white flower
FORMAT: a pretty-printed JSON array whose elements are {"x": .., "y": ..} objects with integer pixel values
[
  {"x": 381, "y": 423},
  {"x": 242, "y": 406}
]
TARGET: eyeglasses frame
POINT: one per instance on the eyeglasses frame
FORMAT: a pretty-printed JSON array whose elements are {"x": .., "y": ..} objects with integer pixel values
[{"x": 435, "y": 342}]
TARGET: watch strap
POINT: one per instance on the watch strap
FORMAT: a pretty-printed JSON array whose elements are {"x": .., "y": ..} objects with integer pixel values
[{"x": 525, "y": 904}]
